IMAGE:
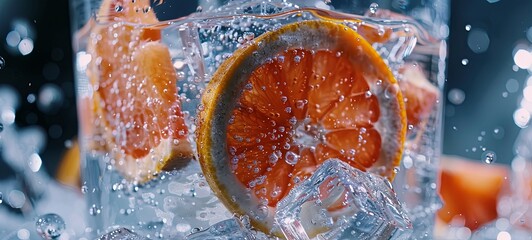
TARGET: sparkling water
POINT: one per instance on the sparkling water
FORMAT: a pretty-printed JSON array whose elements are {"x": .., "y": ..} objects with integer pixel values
[{"x": 174, "y": 203}]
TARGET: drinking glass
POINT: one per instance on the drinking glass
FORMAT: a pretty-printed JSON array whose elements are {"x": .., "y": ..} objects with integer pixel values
[{"x": 147, "y": 80}]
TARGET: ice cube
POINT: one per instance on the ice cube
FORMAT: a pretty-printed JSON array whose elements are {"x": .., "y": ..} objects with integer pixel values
[
  {"x": 230, "y": 229},
  {"x": 341, "y": 202},
  {"x": 121, "y": 234}
]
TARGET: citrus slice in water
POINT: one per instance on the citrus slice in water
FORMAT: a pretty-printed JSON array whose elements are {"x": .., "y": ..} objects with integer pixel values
[
  {"x": 135, "y": 91},
  {"x": 470, "y": 190},
  {"x": 293, "y": 98}
]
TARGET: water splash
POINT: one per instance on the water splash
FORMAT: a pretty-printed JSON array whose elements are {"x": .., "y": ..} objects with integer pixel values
[{"x": 50, "y": 226}]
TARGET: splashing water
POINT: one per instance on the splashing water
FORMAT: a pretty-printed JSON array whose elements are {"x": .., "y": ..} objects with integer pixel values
[{"x": 50, "y": 226}]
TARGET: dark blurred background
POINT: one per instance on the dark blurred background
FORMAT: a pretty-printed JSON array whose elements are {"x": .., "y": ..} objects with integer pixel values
[{"x": 483, "y": 89}]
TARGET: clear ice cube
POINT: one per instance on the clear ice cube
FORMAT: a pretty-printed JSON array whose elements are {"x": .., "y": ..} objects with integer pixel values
[
  {"x": 121, "y": 234},
  {"x": 230, "y": 229},
  {"x": 341, "y": 202}
]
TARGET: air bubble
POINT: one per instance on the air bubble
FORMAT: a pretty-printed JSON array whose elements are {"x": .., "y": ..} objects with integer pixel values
[
  {"x": 94, "y": 210},
  {"x": 373, "y": 8},
  {"x": 119, "y": 8},
  {"x": 84, "y": 189},
  {"x": 465, "y": 61},
  {"x": 1, "y": 127},
  {"x": 50, "y": 226},
  {"x": 291, "y": 158},
  {"x": 300, "y": 104},
  {"x": 273, "y": 158},
  {"x": 489, "y": 157},
  {"x": 468, "y": 27}
]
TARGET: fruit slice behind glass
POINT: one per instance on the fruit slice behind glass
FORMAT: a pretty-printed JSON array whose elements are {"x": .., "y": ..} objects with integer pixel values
[
  {"x": 279, "y": 107},
  {"x": 135, "y": 91}
]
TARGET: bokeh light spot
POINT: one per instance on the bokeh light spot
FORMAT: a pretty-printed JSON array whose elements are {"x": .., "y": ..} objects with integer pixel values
[{"x": 478, "y": 40}]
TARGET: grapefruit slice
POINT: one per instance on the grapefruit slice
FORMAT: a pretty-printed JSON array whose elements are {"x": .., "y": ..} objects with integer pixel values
[
  {"x": 285, "y": 103},
  {"x": 470, "y": 190},
  {"x": 135, "y": 91},
  {"x": 420, "y": 95}
]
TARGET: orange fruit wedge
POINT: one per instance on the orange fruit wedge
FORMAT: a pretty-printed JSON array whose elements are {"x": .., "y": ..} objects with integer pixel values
[
  {"x": 470, "y": 190},
  {"x": 135, "y": 91},
  {"x": 288, "y": 101}
]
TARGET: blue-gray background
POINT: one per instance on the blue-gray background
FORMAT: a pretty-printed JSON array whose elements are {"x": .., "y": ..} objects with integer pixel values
[{"x": 485, "y": 87}]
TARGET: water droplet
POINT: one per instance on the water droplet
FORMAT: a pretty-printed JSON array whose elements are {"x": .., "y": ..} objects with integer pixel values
[
  {"x": 297, "y": 59},
  {"x": 465, "y": 61},
  {"x": 23, "y": 234},
  {"x": 273, "y": 158},
  {"x": 2, "y": 63},
  {"x": 119, "y": 8},
  {"x": 368, "y": 94},
  {"x": 16, "y": 199},
  {"x": 25, "y": 46},
  {"x": 396, "y": 169},
  {"x": 373, "y": 8},
  {"x": 199, "y": 9},
  {"x": 50, "y": 98},
  {"x": 489, "y": 157},
  {"x": 456, "y": 96},
  {"x": 94, "y": 210},
  {"x": 84, "y": 189},
  {"x": 521, "y": 117},
  {"x": 478, "y": 40},
  {"x": 249, "y": 36},
  {"x": 31, "y": 98},
  {"x": 50, "y": 226},
  {"x": 512, "y": 85}
]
